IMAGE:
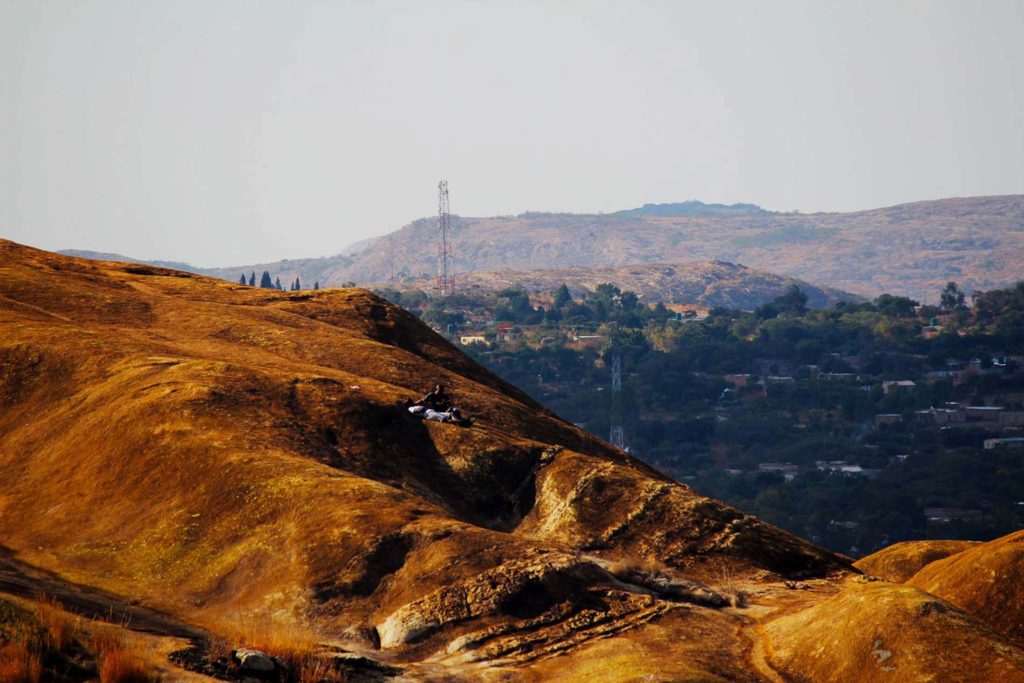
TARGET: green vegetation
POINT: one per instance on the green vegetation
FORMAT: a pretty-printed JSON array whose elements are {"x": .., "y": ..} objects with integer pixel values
[{"x": 782, "y": 411}]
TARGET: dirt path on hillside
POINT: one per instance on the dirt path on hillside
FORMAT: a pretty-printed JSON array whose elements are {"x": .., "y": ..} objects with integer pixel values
[{"x": 23, "y": 580}]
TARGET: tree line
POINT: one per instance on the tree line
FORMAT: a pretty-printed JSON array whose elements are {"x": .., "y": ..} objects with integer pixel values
[{"x": 266, "y": 282}]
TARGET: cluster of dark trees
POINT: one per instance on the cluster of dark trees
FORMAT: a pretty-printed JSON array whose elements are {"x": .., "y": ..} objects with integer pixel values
[
  {"x": 607, "y": 303},
  {"x": 266, "y": 282}
]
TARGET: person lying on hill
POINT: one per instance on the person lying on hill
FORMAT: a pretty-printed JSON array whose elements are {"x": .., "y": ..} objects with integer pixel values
[
  {"x": 437, "y": 399},
  {"x": 454, "y": 416}
]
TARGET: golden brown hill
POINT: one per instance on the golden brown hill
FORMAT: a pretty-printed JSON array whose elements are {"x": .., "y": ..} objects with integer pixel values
[
  {"x": 984, "y": 580},
  {"x": 900, "y": 561},
  {"x": 229, "y": 455},
  {"x": 882, "y": 632},
  {"x": 207, "y": 447}
]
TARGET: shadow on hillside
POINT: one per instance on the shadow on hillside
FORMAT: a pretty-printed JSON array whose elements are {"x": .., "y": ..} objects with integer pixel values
[{"x": 492, "y": 489}]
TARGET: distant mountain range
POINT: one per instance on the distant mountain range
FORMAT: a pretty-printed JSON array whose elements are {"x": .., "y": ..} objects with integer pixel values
[
  {"x": 694, "y": 208},
  {"x": 908, "y": 249},
  {"x": 707, "y": 284}
]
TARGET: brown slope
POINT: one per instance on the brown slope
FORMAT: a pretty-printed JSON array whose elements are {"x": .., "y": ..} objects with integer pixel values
[
  {"x": 984, "y": 580},
  {"x": 900, "y": 561},
  {"x": 209, "y": 449},
  {"x": 706, "y": 284},
  {"x": 883, "y": 632}
]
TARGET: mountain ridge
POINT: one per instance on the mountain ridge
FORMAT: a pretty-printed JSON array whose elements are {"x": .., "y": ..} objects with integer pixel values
[{"x": 909, "y": 249}]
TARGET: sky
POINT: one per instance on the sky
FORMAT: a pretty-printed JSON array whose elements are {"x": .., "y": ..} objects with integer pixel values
[{"x": 231, "y": 132}]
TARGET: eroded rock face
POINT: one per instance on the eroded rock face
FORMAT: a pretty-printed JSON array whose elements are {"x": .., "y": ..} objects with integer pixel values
[
  {"x": 619, "y": 512},
  {"x": 519, "y": 588},
  {"x": 884, "y": 632}
]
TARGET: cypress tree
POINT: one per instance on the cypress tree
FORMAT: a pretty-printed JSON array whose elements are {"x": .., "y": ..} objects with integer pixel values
[
  {"x": 277, "y": 285},
  {"x": 266, "y": 282},
  {"x": 298, "y": 285},
  {"x": 562, "y": 296},
  {"x": 241, "y": 280},
  {"x": 252, "y": 279},
  {"x": 316, "y": 285}
]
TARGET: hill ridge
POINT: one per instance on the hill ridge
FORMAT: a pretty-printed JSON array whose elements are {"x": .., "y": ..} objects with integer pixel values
[{"x": 909, "y": 249}]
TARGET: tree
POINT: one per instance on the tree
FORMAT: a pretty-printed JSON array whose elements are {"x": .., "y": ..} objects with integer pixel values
[
  {"x": 252, "y": 279},
  {"x": 277, "y": 285},
  {"x": 607, "y": 291},
  {"x": 952, "y": 298},
  {"x": 242, "y": 280},
  {"x": 316, "y": 285},
  {"x": 562, "y": 297},
  {"x": 265, "y": 281},
  {"x": 896, "y": 306},
  {"x": 766, "y": 312},
  {"x": 298, "y": 285},
  {"x": 629, "y": 301},
  {"x": 794, "y": 301}
]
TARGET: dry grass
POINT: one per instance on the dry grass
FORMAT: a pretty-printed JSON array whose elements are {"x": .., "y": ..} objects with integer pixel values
[
  {"x": 20, "y": 664},
  {"x": 119, "y": 659},
  {"x": 730, "y": 589},
  {"x": 292, "y": 645},
  {"x": 123, "y": 666},
  {"x": 315, "y": 670},
  {"x": 60, "y": 627},
  {"x": 288, "y": 642},
  {"x": 106, "y": 638}
]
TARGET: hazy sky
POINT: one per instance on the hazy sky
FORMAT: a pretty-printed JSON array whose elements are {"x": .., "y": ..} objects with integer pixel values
[{"x": 222, "y": 133}]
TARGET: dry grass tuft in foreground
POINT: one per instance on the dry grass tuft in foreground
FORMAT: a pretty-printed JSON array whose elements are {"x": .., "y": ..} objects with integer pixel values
[
  {"x": 292, "y": 645},
  {"x": 123, "y": 666},
  {"x": 119, "y": 659},
  {"x": 59, "y": 626},
  {"x": 289, "y": 643},
  {"x": 20, "y": 664}
]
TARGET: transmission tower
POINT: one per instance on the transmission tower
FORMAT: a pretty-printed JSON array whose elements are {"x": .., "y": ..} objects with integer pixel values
[
  {"x": 616, "y": 436},
  {"x": 391, "y": 260},
  {"x": 445, "y": 279}
]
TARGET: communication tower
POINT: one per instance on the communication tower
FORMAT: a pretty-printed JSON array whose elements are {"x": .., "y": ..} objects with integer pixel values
[
  {"x": 391, "y": 260},
  {"x": 445, "y": 279}
]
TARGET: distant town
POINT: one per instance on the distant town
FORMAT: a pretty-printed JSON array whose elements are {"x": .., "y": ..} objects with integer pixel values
[{"x": 855, "y": 426}]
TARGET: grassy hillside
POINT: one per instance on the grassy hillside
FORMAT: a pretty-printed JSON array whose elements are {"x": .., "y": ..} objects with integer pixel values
[{"x": 225, "y": 455}]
